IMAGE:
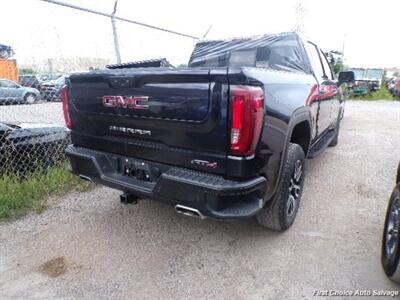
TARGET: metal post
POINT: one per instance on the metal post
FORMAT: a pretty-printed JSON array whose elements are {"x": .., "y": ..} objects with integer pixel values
[
  {"x": 208, "y": 30},
  {"x": 115, "y": 34}
]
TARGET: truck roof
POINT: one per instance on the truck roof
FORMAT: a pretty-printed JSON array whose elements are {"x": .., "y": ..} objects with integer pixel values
[
  {"x": 249, "y": 37},
  {"x": 282, "y": 51}
]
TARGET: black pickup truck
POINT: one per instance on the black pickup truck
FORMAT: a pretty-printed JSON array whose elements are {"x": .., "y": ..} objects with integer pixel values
[{"x": 224, "y": 138}]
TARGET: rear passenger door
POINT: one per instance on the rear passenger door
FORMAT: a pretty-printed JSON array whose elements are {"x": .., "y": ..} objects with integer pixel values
[
  {"x": 331, "y": 90},
  {"x": 320, "y": 105}
]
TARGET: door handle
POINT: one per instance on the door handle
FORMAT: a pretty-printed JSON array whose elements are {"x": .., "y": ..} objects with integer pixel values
[{"x": 332, "y": 91}]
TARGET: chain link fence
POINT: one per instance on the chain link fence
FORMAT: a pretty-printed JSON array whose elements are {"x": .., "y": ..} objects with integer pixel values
[
  {"x": 45, "y": 50},
  {"x": 32, "y": 134}
]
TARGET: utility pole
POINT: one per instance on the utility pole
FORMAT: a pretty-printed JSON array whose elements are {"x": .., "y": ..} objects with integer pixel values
[
  {"x": 115, "y": 33},
  {"x": 344, "y": 41},
  {"x": 299, "y": 11}
]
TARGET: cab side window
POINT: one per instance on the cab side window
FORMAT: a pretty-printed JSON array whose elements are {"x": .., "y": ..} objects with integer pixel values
[
  {"x": 315, "y": 61},
  {"x": 325, "y": 64}
]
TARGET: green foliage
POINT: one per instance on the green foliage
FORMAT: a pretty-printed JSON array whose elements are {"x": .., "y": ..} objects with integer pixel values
[
  {"x": 338, "y": 66},
  {"x": 20, "y": 196},
  {"x": 27, "y": 71},
  {"x": 382, "y": 94}
]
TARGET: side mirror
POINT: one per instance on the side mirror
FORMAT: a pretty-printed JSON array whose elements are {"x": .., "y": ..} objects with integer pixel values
[{"x": 346, "y": 77}]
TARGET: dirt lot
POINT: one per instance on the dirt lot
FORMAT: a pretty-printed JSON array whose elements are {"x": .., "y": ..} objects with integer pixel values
[{"x": 89, "y": 246}]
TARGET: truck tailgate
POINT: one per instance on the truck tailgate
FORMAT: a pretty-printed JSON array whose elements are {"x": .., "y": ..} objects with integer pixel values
[{"x": 176, "y": 117}]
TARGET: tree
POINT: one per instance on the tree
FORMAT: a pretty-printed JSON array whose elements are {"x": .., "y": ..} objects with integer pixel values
[
  {"x": 27, "y": 71},
  {"x": 338, "y": 65}
]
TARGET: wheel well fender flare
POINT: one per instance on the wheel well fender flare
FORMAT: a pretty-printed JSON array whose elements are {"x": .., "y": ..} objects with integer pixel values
[{"x": 298, "y": 116}]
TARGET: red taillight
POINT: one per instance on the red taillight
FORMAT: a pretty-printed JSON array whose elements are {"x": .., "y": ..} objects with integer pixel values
[
  {"x": 247, "y": 111},
  {"x": 65, "y": 105}
]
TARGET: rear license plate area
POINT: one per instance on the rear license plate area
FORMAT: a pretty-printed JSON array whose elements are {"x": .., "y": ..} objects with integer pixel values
[{"x": 139, "y": 170}]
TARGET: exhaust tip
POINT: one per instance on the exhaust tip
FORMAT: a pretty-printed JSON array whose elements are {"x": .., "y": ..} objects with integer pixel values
[{"x": 189, "y": 211}]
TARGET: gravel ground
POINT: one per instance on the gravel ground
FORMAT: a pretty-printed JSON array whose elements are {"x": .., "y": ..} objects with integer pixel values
[{"x": 90, "y": 246}]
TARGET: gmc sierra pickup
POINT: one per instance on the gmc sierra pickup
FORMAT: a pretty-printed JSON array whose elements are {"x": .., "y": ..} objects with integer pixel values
[{"x": 224, "y": 138}]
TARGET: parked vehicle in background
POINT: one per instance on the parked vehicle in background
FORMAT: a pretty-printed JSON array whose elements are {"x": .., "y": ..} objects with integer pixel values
[
  {"x": 391, "y": 234},
  {"x": 224, "y": 138},
  {"x": 374, "y": 77},
  {"x": 6, "y": 52},
  {"x": 397, "y": 88},
  {"x": 24, "y": 148},
  {"x": 391, "y": 85},
  {"x": 361, "y": 85},
  {"x": 49, "y": 76},
  {"x": 8, "y": 69},
  {"x": 394, "y": 86},
  {"x": 29, "y": 81},
  {"x": 51, "y": 89},
  {"x": 13, "y": 93},
  {"x": 367, "y": 80}
]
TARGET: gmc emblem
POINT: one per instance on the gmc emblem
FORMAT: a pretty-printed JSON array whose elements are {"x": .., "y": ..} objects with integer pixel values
[{"x": 133, "y": 102}]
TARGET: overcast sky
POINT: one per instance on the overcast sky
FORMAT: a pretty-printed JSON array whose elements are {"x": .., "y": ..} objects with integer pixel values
[{"x": 36, "y": 30}]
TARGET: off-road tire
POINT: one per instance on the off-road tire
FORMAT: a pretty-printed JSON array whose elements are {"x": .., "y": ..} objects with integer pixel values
[{"x": 275, "y": 215}]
